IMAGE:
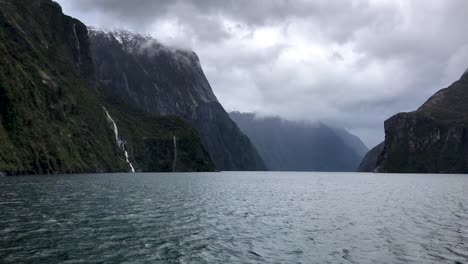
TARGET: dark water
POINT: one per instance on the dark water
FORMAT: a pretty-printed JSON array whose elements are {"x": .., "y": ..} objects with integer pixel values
[{"x": 234, "y": 218}]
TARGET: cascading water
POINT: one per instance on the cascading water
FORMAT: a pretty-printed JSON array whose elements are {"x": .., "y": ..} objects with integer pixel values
[
  {"x": 120, "y": 143},
  {"x": 78, "y": 44},
  {"x": 174, "y": 139},
  {"x": 128, "y": 161}
]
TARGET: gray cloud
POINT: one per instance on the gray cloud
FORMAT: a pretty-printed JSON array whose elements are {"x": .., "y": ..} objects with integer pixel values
[{"x": 348, "y": 62}]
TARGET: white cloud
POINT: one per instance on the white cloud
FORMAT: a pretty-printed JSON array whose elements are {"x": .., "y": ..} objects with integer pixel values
[{"x": 349, "y": 62}]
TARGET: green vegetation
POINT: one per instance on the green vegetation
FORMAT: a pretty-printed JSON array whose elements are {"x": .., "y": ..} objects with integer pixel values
[
  {"x": 433, "y": 139},
  {"x": 150, "y": 140},
  {"x": 51, "y": 116}
]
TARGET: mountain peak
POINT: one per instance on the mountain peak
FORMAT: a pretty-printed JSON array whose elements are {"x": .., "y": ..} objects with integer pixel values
[
  {"x": 465, "y": 73},
  {"x": 129, "y": 41},
  {"x": 431, "y": 139},
  {"x": 134, "y": 42},
  {"x": 168, "y": 81}
]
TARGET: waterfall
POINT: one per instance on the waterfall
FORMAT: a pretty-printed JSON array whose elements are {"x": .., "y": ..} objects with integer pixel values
[
  {"x": 120, "y": 143},
  {"x": 78, "y": 44},
  {"x": 129, "y": 163},
  {"x": 174, "y": 139}
]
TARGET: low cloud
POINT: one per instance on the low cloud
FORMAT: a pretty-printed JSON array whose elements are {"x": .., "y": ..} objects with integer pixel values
[{"x": 352, "y": 63}]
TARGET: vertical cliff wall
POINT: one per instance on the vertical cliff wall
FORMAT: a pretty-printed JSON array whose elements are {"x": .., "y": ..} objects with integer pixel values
[
  {"x": 168, "y": 81},
  {"x": 51, "y": 107},
  {"x": 432, "y": 139}
]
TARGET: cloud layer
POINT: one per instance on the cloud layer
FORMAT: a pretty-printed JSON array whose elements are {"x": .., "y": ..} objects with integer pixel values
[{"x": 350, "y": 63}]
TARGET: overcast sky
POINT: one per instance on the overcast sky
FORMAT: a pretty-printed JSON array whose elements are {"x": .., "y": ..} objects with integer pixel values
[{"x": 351, "y": 63}]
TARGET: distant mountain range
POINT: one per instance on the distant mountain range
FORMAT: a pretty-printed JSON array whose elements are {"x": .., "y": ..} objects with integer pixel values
[
  {"x": 432, "y": 139},
  {"x": 300, "y": 146},
  {"x": 74, "y": 100}
]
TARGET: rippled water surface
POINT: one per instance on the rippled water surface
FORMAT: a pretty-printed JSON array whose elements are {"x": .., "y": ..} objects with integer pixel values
[{"x": 234, "y": 218}]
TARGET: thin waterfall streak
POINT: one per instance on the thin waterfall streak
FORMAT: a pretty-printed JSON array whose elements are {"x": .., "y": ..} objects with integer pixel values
[
  {"x": 128, "y": 161},
  {"x": 174, "y": 139},
  {"x": 78, "y": 44},
  {"x": 116, "y": 131},
  {"x": 120, "y": 143}
]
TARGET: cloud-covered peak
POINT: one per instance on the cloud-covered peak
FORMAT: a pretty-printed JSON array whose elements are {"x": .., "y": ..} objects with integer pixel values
[
  {"x": 144, "y": 45},
  {"x": 353, "y": 63}
]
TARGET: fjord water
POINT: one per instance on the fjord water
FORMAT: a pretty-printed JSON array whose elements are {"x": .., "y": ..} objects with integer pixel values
[{"x": 234, "y": 218}]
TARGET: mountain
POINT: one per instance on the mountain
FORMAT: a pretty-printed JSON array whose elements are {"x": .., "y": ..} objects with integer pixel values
[
  {"x": 432, "y": 139},
  {"x": 158, "y": 143},
  {"x": 369, "y": 162},
  {"x": 54, "y": 117},
  {"x": 299, "y": 146},
  {"x": 351, "y": 141},
  {"x": 168, "y": 81}
]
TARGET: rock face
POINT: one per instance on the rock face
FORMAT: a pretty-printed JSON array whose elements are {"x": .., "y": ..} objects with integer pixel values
[
  {"x": 432, "y": 139},
  {"x": 171, "y": 82},
  {"x": 369, "y": 162},
  {"x": 149, "y": 140},
  {"x": 295, "y": 146},
  {"x": 51, "y": 107}
]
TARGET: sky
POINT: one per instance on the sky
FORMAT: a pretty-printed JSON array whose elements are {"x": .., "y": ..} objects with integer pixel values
[{"x": 350, "y": 63}]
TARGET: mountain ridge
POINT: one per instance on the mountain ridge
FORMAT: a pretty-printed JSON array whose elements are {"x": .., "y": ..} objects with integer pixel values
[
  {"x": 169, "y": 81},
  {"x": 51, "y": 106},
  {"x": 301, "y": 146},
  {"x": 431, "y": 139}
]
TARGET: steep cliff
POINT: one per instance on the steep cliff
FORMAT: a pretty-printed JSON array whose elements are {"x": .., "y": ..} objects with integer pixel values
[
  {"x": 169, "y": 81},
  {"x": 298, "y": 146},
  {"x": 369, "y": 162},
  {"x": 158, "y": 143},
  {"x": 432, "y": 139},
  {"x": 52, "y": 118}
]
